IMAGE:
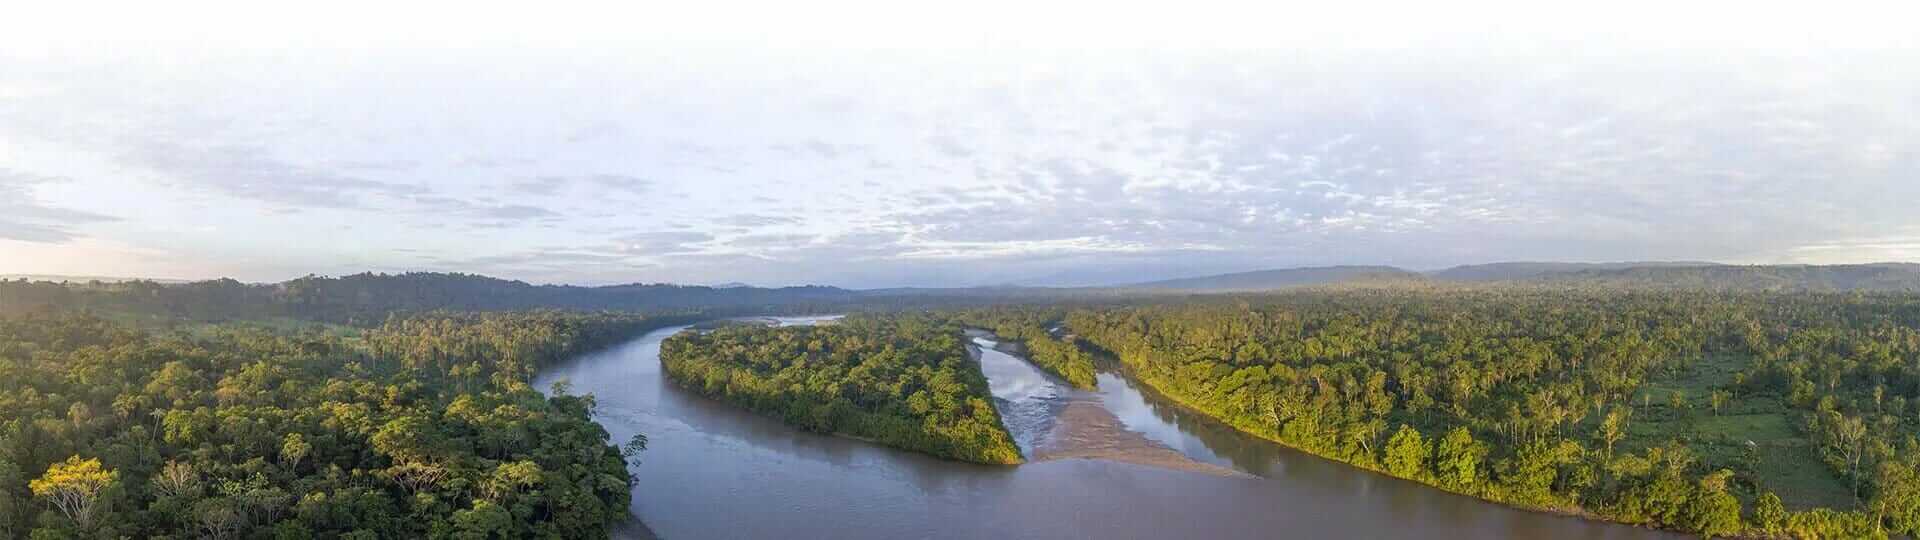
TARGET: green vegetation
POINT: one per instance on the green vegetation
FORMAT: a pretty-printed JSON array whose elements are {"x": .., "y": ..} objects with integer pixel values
[
  {"x": 1652, "y": 396},
  {"x": 903, "y": 381},
  {"x": 1627, "y": 406},
  {"x": 422, "y": 427},
  {"x": 1030, "y": 328}
]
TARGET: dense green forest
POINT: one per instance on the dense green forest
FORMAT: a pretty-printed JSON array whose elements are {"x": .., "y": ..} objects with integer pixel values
[
  {"x": 424, "y": 426},
  {"x": 1709, "y": 400},
  {"x": 902, "y": 380},
  {"x": 1714, "y": 413}
]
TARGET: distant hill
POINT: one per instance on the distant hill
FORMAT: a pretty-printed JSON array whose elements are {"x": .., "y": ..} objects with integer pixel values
[
  {"x": 1663, "y": 275},
  {"x": 1282, "y": 278},
  {"x": 58, "y": 278},
  {"x": 368, "y": 297},
  {"x": 1833, "y": 278},
  {"x": 1506, "y": 271}
]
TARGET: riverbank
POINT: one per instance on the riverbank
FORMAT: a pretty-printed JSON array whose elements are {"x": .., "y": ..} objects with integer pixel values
[
  {"x": 1086, "y": 430},
  {"x": 1148, "y": 386}
]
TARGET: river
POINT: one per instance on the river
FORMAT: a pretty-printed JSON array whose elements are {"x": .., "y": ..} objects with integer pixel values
[{"x": 714, "y": 471}]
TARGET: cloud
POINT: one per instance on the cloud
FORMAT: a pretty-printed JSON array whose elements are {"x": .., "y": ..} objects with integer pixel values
[
  {"x": 910, "y": 175},
  {"x": 949, "y": 146},
  {"x": 620, "y": 182},
  {"x": 756, "y": 220},
  {"x": 492, "y": 162},
  {"x": 549, "y": 185},
  {"x": 539, "y": 185},
  {"x": 824, "y": 149},
  {"x": 445, "y": 206},
  {"x": 24, "y": 218},
  {"x": 377, "y": 165},
  {"x": 253, "y": 173},
  {"x": 762, "y": 241},
  {"x": 659, "y": 243}
]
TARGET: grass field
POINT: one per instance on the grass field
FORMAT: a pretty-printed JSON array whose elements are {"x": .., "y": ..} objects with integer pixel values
[{"x": 1757, "y": 436}]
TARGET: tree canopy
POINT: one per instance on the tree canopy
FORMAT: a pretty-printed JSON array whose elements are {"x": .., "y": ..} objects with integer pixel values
[
  {"x": 903, "y": 381},
  {"x": 424, "y": 426}
]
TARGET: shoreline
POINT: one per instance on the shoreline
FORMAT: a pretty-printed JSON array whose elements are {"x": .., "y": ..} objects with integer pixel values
[
  {"x": 1087, "y": 430},
  {"x": 1574, "y": 513}
]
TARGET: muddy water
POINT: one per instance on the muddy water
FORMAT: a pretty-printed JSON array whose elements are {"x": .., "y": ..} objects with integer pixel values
[
  {"x": 714, "y": 471},
  {"x": 1051, "y": 420}
]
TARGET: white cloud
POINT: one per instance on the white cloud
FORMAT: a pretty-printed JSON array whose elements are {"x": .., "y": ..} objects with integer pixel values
[{"x": 683, "y": 163}]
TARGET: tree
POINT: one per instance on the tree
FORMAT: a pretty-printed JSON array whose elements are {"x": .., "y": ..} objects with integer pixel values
[
  {"x": 1769, "y": 514},
  {"x": 245, "y": 432},
  {"x": 1407, "y": 453},
  {"x": 176, "y": 479},
  {"x": 293, "y": 449},
  {"x": 1714, "y": 512},
  {"x": 9, "y": 476},
  {"x": 1613, "y": 428},
  {"x": 74, "y": 487},
  {"x": 218, "y": 519},
  {"x": 1848, "y": 436},
  {"x": 509, "y": 478},
  {"x": 1458, "y": 458},
  {"x": 1718, "y": 399},
  {"x": 1896, "y": 497},
  {"x": 484, "y": 521}
]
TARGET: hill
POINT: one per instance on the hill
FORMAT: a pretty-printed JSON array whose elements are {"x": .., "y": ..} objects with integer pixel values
[
  {"x": 1504, "y": 271},
  {"x": 1885, "y": 277},
  {"x": 1282, "y": 278},
  {"x": 367, "y": 298}
]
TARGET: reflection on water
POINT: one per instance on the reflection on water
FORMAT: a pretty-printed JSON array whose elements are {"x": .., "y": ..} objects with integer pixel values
[
  {"x": 1027, "y": 399},
  {"x": 713, "y": 471}
]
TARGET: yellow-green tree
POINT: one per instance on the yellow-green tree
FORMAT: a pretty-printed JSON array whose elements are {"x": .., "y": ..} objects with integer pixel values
[
  {"x": 74, "y": 487},
  {"x": 1407, "y": 453},
  {"x": 1613, "y": 428}
]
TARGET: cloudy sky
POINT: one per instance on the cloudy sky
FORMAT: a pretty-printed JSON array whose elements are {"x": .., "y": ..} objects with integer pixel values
[{"x": 877, "y": 146}]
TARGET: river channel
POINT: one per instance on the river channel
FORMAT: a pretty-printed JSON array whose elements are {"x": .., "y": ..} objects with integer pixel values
[{"x": 1112, "y": 463}]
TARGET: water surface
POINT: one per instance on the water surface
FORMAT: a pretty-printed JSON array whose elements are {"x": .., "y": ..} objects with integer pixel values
[{"x": 714, "y": 471}]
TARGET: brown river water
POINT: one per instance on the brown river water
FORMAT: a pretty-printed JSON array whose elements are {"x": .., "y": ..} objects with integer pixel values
[{"x": 1114, "y": 463}]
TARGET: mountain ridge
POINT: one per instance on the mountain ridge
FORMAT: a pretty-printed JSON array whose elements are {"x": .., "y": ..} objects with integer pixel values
[{"x": 1279, "y": 278}]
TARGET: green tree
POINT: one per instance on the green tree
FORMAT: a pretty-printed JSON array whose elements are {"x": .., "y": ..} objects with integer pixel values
[
  {"x": 1896, "y": 497},
  {"x": 1769, "y": 514},
  {"x": 1713, "y": 511},
  {"x": 1458, "y": 460},
  {"x": 1408, "y": 453},
  {"x": 485, "y": 521}
]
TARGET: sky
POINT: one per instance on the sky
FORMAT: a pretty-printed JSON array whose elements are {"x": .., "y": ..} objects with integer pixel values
[{"x": 878, "y": 145}]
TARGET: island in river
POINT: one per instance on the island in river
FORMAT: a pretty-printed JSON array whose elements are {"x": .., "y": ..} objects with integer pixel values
[{"x": 902, "y": 381}]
